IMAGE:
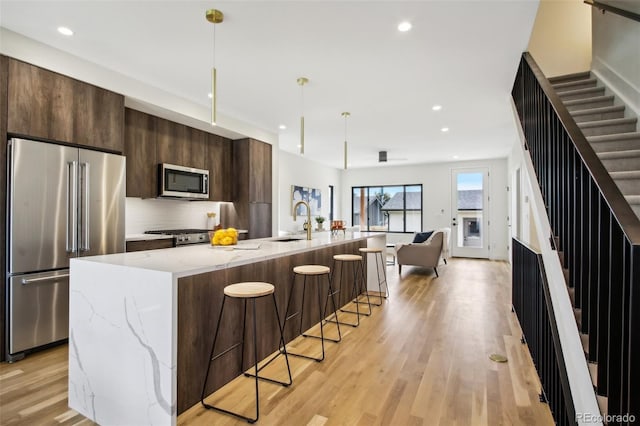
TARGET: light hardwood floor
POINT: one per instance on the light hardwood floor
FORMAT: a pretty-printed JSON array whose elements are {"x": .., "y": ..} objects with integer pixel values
[{"x": 420, "y": 359}]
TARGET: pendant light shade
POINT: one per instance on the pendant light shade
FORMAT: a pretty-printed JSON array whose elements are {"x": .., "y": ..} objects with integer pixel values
[
  {"x": 215, "y": 17},
  {"x": 301, "y": 82},
  {"x": 345, "y": 115}
]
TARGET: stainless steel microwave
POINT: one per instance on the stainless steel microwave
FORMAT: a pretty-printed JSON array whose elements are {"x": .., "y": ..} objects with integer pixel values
[{"x": 182, "y": 182}]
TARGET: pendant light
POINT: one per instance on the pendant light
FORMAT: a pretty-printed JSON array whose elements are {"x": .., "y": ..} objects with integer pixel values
[
  {"x": 215, "y": 17},
  {"x": 345, "y": 115},
  {"x": 302, "y": 81}
]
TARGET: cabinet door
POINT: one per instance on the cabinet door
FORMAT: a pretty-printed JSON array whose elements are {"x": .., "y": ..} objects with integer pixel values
[
  {"x": 48, "y": 105},
  {"x": 219, "y": 163},
  {"x": 197, "y": 148},
  {"x": 98, "y": 117},
  {"x": 259, "y": 220},
  {"x": 40, "y": 103},
  {"x": 260, "y": 177},
  {"x": 172, "y": 143},
  {"x": 140, "y": 150}
]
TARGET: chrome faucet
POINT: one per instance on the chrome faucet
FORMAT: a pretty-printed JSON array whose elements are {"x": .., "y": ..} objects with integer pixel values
[{"x": 308, "y": 222}]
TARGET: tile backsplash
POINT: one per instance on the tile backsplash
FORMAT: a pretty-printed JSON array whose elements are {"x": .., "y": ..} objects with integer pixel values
[{"x": 150, "y": 214}]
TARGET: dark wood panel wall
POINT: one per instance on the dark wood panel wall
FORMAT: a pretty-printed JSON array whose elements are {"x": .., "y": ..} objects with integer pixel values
[
  {"x": 199, "y": 301},
  {"x": 4, "y": 81}
]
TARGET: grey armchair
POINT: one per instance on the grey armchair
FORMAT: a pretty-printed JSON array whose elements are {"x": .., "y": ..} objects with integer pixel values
[{"x": 425, "y": 254}]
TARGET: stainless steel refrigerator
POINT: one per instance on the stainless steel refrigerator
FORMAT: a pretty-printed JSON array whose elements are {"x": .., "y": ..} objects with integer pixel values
[{"x": 63, "y": 202}]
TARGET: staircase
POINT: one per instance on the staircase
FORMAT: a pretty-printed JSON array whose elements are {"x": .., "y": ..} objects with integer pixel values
[{"x": 613, "y": 136}]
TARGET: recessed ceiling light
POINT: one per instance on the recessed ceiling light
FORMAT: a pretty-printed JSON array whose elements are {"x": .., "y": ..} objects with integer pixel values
[
  {"x": 299, "y": 146},
  {"x": 282, "y": 127},
  {"x": 65, "y": 31},
  {"x": 404, "y": 26},
  {"x": 456, "y": 157},
  {"x": 210, "y": 95},
  {"x": 436, "y": 107},
  {"x": 444, "y": 129}
]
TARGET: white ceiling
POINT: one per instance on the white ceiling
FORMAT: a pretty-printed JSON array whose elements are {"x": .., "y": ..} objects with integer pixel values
[{"x": 462, "y": 55}]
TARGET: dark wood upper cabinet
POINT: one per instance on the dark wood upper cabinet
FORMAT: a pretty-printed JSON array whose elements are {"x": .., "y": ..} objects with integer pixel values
[
  {"x": 48, "y": 105},
  {"x": 219, "y": 162},
  {"x": 140, "y": 150},
  {"x": 260, "y": 165},
  {"x": 252, "y": 186},
  {"x": 197, "y": 150},
  {"x": 252, "y": 164},
  {"x": 172, "y": 143}
]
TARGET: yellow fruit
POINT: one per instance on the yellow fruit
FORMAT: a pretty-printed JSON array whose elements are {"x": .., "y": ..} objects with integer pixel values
[{"x": 225, "y": 237}]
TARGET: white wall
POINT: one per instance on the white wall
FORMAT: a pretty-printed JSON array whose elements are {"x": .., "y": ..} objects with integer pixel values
[
  {"x": 436, "y": 187},
  {"x": 561, "y": 37},
  {"x": 297, "y": 170},
  {"x": 616, "y": 55}
]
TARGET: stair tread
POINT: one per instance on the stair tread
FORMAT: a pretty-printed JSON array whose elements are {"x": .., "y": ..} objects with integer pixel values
[
  {"x": 568, "y": 77},
  {"x": 597, "y": 110},
  {"x": 618, "y": 154},
  {"x": 581, "y": 91},
  {"x": 614, "y": 137},
  {"x": 589, "y": 100},
  {"x": 608, "y": 122},
  {"x": 572, "y": 83},
  {"x": 634, "y": 174}
]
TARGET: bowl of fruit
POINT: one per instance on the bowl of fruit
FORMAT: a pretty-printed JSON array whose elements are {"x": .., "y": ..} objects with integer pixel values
[{"x": 224, "y": 237}]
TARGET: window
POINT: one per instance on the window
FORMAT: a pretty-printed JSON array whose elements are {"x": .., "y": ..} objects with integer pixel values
[{"x": 387, "y": 208}]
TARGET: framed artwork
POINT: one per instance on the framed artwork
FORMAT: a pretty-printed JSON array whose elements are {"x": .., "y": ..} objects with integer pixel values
[{"x": 310, "y": 195}]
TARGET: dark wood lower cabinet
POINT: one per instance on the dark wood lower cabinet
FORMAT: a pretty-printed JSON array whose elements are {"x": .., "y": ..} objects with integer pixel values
[
  {"x": 149, "y": 244},
  {"x": 199, "y": 301}
]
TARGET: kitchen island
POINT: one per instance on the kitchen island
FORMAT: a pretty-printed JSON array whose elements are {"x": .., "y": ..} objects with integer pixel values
[{"x": 141, "y": 324}]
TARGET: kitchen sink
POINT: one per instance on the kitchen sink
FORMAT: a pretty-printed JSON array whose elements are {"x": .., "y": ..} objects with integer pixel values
[{"x": 286, "y": 239}]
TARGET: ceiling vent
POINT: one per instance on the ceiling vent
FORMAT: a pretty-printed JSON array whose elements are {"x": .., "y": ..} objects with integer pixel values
[{"x": 382, "y": 156}]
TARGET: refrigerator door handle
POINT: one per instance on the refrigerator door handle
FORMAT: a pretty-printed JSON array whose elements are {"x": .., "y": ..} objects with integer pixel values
[
  {"x": 44, "y": 279},
  {"x": 72, "y": 207},
  {"x": 84, "y": 228}
]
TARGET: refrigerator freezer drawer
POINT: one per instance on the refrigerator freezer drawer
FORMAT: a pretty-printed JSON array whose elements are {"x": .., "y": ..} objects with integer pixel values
[{"x": 38, "y": 309}]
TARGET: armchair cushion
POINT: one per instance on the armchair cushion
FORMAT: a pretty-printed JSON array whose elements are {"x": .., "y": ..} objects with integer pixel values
[{"x": 421, "y": 237}]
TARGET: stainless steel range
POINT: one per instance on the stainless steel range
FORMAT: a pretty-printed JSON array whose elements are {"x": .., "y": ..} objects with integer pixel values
[{"x": 184, "y": 236}]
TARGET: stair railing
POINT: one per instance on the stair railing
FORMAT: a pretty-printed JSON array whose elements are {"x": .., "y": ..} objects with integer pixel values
[
  {"x": 532, "y": 304},
  {"x": 597, "y": 232}
]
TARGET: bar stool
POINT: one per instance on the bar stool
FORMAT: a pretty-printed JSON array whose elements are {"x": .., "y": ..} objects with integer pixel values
[
  {"x": 357, "y": 286},
  {"x": 246, "y": 291},
  {"x": 312, "y": 271},
  {"x": 380, "y": 263}
]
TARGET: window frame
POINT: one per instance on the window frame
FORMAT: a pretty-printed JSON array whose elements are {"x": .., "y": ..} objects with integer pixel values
[{"x": 368, "y": 188}]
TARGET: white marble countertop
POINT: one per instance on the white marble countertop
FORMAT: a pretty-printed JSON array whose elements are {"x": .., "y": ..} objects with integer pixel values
[{"x": 200, "y": 258}]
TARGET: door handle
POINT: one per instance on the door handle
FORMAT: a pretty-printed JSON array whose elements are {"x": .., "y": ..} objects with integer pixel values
[
  {"x": 84, "y": 245},
  {"x": 72, "y": 207},
  {"x": 44, "y": 279}
]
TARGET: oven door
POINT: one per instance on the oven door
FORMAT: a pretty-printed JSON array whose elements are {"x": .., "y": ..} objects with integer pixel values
[{"x": 183, "y": 182}]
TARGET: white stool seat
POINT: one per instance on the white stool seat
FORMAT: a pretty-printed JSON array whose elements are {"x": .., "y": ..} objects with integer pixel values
[
  {"x": 347, "y": 257},
  {"x": 249, "y": 289},
  {"x": 370, "y": 250},
  {"x": 311, "y": 270}
]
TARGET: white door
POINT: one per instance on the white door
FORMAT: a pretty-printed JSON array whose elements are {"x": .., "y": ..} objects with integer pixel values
[{"x": 470, "y": 213}]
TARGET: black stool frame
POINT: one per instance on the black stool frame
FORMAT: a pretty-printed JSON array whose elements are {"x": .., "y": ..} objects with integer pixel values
[
  {"x": 330, "y": 294},
  {"x": 382, "y": 263},
  {"x": 255, "y": 356},
  {"x": 357, "y": 289}
]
